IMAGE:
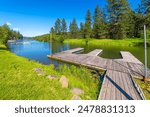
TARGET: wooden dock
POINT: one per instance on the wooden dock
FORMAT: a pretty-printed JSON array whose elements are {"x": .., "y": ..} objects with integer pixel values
[{"x": 118, "y": 83}]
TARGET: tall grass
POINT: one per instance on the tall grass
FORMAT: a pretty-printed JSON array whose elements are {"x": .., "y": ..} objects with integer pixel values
[{"x": 145, "y": 87}]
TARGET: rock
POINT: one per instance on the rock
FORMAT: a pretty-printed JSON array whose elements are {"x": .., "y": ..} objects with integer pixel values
[
  {"x": 38, "y": 70},
  {"x": 51, "y": 77},
  {"x": 76, "y": 97},
  {"x": 64, "y": 82},
  {"x": 77, "y": 91},
  {"x": 42, "y": 74}
]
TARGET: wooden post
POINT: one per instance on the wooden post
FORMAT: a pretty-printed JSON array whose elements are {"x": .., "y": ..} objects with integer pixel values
[{"x": 145, "y": 55}]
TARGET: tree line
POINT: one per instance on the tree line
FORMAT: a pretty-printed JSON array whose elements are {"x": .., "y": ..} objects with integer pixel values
[
  {"x": 6, "y": 33},
  {"x": 116, "y": 21}
]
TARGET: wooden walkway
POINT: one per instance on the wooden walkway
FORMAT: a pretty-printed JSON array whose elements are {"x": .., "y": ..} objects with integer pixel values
[
  {"x": 76, "y": 50},
  {"x": 118, "y": 83},
  {"x": 96, "y": 52},
  {"x": 127, "y": 56},
  {"x": 118, "y": 86}
]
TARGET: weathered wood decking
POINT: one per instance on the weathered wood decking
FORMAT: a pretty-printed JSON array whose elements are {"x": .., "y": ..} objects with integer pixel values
[
  {"x": 127, "y": 56},
  {"x": 96, "y": 52},
  {"x": 118, "y": 86},
  {"x": 118, "y": 81},
  {"x": 76, "y": 50}
]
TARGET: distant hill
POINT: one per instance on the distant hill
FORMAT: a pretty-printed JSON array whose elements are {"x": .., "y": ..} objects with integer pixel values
[
  {"x": 27, "y": 37},
  {"x": 55, "y": 37},
  {"x": 45, "y": 37}
]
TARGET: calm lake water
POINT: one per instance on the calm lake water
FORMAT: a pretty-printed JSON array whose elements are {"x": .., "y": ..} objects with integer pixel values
[{"x": 38, "y": 51}]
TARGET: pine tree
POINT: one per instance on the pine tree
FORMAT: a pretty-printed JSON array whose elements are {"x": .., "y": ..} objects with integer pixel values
[
  {"x": 146, "y": 6},
  {"x": 52, "y": 30},
  {"x": 88, "y": 23},
  {"x": 74, "y": 28},
  {"x": 64, "y": 26},
  {"x": 146, "y": 11},
  {"x": 82, "y": 30},
  {"x": 104, "y": 24},
  {"x": 98, "y": 25},
  {"x": 136, "y": 26},
  {"x": 58, "y": 26},
  {"x": 118, "y": 17}
]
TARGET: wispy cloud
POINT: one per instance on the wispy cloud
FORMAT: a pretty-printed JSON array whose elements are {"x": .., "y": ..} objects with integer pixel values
[{"x": 8, "y": 23}]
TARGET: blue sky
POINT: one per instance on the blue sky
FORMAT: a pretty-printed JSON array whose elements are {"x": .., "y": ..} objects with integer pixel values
[{"x": 35, "y": 17}]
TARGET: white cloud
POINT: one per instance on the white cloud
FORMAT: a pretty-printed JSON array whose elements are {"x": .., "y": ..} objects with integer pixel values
[
  {"x": 8, "y": 23},
  {"x": 16, "y": 29}
]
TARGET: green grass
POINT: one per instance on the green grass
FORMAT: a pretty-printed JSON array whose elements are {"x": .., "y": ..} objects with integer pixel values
[
  {"x": 145, "y": 86},
  {"x": 103, "y": 42},
  {"x": 19, "y": 81}
]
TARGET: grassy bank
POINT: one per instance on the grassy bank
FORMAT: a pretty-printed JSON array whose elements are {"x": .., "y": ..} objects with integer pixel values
[
  {"x": 103, "y": 42},
  {"x": 145, "y": 86},
  {"x": 18, "y": 80}
]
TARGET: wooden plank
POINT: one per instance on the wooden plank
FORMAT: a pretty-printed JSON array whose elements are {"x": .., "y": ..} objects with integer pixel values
[
  {"x": 127, "y": 93},
  {"x": 127, "y": 56},
  {"x": 123, "y": 97},
  {"x": 108, "y": 90},
  {"x": 96, "y": 61},
  {"x": 134, "y": 70},
  {"x": 103, "y": 89},
  {"x": 118, "y": 93},
  {"x": 113, "y": 89},
  {"x": 117, "y": 66},
  {"x": 103, "y": 63},
  {"x": 109, "y": 63},
  {"x": 80, "y": 58},
  {"x": 75, "y": 50},
  {"x": 126, "y": 68},
  {"x": 138, "y": 69},
  {"x": 90, "y": 61},
  {"x": 133, "y": 92},
  {"x": 95, "y": 52}
]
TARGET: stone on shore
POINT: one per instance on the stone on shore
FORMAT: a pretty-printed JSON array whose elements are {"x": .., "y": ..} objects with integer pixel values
[
  {"x": 38, "y": 70},
  {"x": 51, "y": 77},
  {"x": 77, "y": 91},
  {"x": 64, "y": 82},
  {"x": 76, "y": 97}
]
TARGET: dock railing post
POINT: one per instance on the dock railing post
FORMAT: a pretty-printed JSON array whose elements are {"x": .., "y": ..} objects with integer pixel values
[{"x": 145, "y": 55}]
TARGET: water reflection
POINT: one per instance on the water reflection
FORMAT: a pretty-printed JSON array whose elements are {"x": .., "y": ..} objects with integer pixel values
[{"x": 39, "y": 50}]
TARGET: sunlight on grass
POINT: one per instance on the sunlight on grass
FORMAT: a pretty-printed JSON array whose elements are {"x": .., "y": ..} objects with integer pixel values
[
  {"x": 96, "y": 42},
  {"x": 145, "y": 87},
  {"x": 18, "y": 80}
]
